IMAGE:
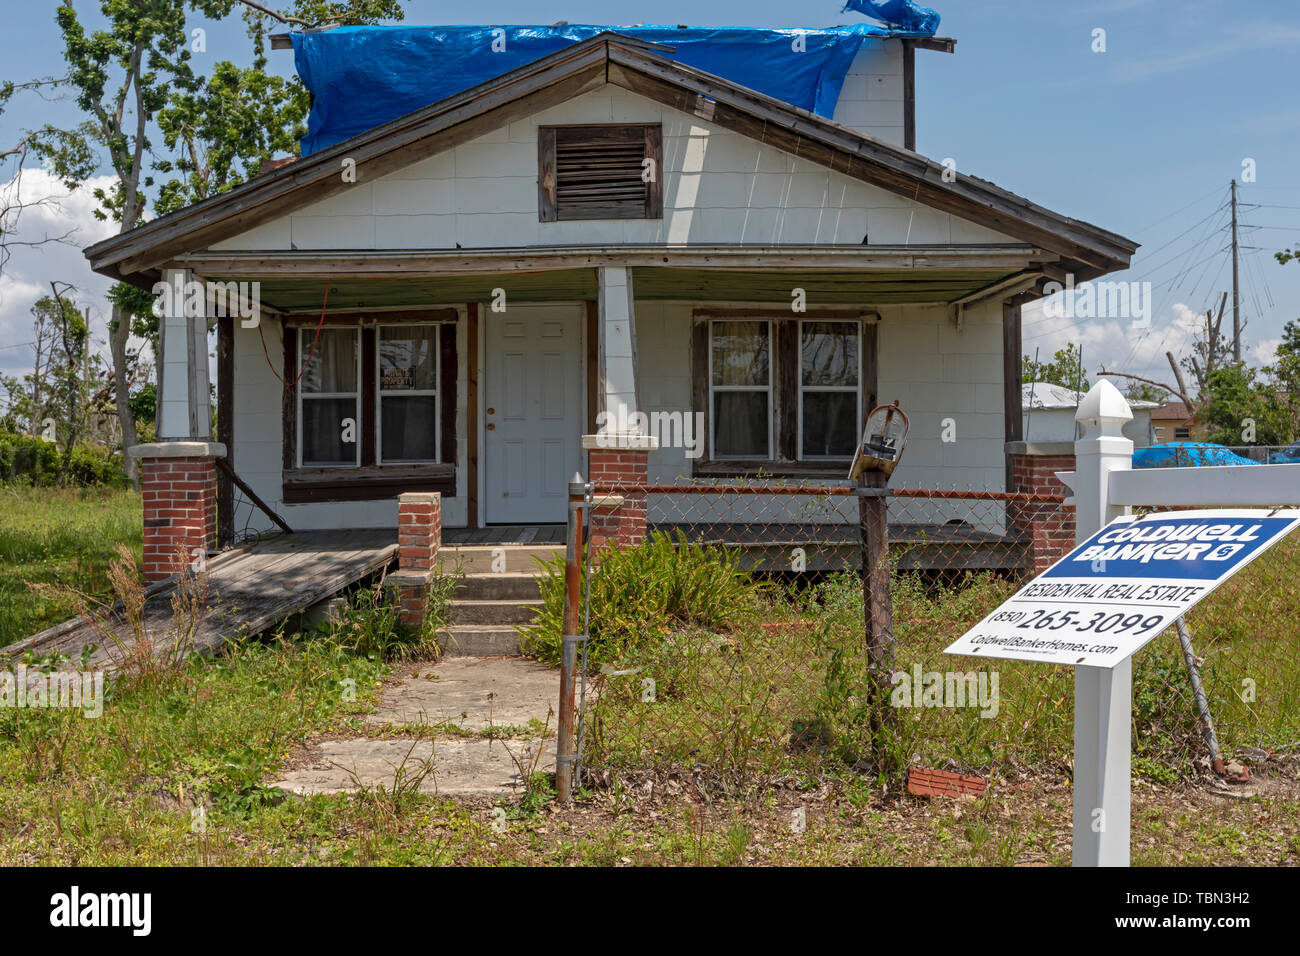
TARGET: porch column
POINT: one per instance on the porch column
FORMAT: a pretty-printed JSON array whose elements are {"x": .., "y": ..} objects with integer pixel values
[
  {"x": 619, "y": 451},
  {"x": 178, "y": 486},
  {"x": 178, "y": 471},
  {"x": 183, "y": 412},
  {"x": 419, "y": 535}
]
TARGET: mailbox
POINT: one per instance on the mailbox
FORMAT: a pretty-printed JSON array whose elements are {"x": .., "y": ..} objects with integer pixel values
[{"x": 882, "y": 442}]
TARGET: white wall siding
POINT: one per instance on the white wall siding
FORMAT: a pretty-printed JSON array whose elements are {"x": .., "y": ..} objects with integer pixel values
[
  {"x": 871, "y": 100},
  {"x": 935, "y": 370},
  {"x": 719, "y": 187}
]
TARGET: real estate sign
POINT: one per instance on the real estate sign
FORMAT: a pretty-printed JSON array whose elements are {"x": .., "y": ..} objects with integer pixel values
[{"x": 1119, "y": 589}]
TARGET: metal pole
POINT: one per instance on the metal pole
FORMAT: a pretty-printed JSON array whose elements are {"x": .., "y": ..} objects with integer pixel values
[
  {"x": 1202, "y": 705},
  {"x": 565, "y": 751},
  {"x": 878, "y": 611},
  {"x": 1236, "y": 294}
]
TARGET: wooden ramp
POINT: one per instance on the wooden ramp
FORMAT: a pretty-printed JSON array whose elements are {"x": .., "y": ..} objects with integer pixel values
[{"x": 249, "y": 589}]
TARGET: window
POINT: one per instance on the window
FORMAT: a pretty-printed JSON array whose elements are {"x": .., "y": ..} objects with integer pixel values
[
  {"x": 1182, "y": 434},
  {"x": 374, "y": 411},
  {"x": 408, "y": 393},
  {"x": 599, "y": 172},
  {"x": 829, "y": 400},
  {"x": 329, "y": 399},
  {"x": 780, "y": 393},
  {"x": 740, "y": 383}
]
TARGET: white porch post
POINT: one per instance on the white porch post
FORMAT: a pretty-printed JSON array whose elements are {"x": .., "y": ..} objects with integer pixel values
[
  {"x": 1103, "y": 697},
  {"x": 184, "y": 411},
  {"x": 617, "y": 329}
]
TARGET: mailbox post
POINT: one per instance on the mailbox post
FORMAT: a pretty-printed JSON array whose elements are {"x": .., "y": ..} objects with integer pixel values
[{"x": 875, "y": 460}]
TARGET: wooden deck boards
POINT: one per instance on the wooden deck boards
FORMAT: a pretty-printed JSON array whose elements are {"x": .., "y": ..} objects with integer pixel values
[
  {"x": 506, "y": 534},
  {"x": 248, "y": 590}
]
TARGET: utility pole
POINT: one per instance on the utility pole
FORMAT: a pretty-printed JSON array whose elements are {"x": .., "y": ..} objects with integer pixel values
[{"x": 1236, "y": 296}]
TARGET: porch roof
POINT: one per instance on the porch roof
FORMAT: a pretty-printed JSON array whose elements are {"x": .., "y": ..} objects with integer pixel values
[{"x": 295, "y": 281}]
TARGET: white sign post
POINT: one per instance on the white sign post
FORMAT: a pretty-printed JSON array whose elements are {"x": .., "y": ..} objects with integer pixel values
[{"x": 1126, "y": 581}]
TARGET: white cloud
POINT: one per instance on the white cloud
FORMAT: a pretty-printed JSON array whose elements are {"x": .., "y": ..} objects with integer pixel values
[
  {"x": 30, "y": 269},
  {"x": 1116, "y": 344},
  {"x": 1265, "y": 352}
]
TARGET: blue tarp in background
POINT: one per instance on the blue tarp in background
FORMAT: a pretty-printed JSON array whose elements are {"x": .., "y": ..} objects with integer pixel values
[
  {"x": 1186, "y": 454},
  {"x": 362, "y": 77}
]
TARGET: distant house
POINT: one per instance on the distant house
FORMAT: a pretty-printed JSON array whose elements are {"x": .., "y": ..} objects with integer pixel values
[
  {"x": 460, "y": 298},
  {"x": 1173, "y": 422},
  {"x": 1049, "y": 415}
]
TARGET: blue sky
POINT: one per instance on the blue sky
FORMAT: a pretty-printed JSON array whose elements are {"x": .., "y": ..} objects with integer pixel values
[{"x": 1141, "y": 139}]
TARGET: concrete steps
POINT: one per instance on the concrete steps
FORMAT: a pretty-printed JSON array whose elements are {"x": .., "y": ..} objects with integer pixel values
[
  {"x": 497, "y": 558},
  {"x": 499, "y": 590}
]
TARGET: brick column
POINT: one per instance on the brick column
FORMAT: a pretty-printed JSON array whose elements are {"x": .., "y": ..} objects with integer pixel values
[
  {"x": 419, "y": 535},
  {"x": 1048, "y": 527},
  {"x": 178, "y": 486},
  {"x": 620, "y": 519}
]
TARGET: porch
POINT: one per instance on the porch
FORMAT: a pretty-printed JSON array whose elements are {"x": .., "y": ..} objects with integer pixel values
[{"x": 529, "y": 358}]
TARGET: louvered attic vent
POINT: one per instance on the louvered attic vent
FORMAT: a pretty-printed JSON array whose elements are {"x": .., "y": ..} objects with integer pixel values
[{"x": 599, "y": 172}]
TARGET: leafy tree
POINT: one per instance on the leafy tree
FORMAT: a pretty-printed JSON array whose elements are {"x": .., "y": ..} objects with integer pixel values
[
  {"x": 1145, "y": 392},
  {"x": 1240, "y": 409},
  {"x": 1284, "y": 380},
  {"x": 1064, "y": 369},
  {"x": 135, "y": 82}
]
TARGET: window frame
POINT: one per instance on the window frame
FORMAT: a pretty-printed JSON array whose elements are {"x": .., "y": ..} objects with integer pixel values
[
  {"x": 304, "y": 396},
  {"x": 372, "y": 480},
  {"x": 785, "y": 407},
  {"x": 435, "y": 393},
  {"x": 767, "y": 389},
  {"x": 801, "y": 389}
]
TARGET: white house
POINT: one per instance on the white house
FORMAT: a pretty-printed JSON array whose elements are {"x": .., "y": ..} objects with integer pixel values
[
  {"x": 447, "y": 301},
  {"x": 1049, "y": 412}
]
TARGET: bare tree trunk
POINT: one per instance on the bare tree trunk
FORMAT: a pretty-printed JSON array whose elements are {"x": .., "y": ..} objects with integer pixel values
[{"x": 122, "y": 389}]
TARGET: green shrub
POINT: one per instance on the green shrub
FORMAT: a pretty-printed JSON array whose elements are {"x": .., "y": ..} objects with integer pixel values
[
  {"x": 370, "y": 625},
  {"x": 35, "y": 461},
  {"x": 664, "y": 584}
]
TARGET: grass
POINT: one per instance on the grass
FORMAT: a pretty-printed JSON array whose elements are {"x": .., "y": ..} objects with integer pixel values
[
  {"x": 60, "y": 537},
  {"x": 740, "y": 728},
  {"x": 786, "y": 691}
]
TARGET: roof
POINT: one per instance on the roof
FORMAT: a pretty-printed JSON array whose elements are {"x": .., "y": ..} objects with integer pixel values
[
  {"x": 1171, "y": 411},
  {"x": 1084, "y": 249},
  {"x": 1048, "y": 395},
  {"x": 409, "y": 67}
]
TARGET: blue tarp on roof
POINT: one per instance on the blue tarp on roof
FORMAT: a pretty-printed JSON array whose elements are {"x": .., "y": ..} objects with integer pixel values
[
  {"x": 362, "y": 77},
  {"x": 902, "y": 13}
]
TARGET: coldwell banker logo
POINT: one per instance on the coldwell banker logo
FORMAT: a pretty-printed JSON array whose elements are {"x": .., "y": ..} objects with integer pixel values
[{"x": 76, "y": 909}]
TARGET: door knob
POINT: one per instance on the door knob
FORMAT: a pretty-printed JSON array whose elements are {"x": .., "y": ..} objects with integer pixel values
[{"x": 491, "y": 426}]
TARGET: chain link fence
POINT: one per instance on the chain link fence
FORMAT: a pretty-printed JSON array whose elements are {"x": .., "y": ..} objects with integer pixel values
[{"x": 732, "y": 646}]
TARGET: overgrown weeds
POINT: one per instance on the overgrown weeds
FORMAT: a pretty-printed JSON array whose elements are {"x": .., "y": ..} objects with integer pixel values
[{"x": 641, "y": 593}]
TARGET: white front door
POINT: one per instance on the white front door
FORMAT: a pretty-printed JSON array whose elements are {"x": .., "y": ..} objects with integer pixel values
[{"x": 533, "y": 416}]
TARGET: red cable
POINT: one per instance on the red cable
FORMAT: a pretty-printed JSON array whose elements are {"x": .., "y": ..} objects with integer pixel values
[{"x": 303, "y": 370}]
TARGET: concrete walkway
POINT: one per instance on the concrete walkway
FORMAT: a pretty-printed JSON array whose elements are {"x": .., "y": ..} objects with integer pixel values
[{"x": 482, "y": 721}]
